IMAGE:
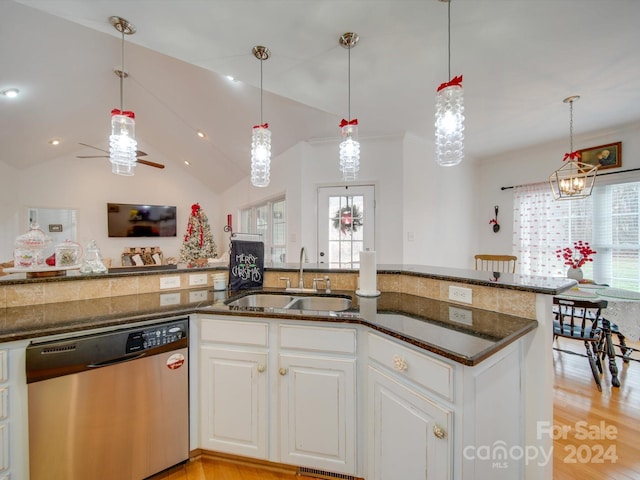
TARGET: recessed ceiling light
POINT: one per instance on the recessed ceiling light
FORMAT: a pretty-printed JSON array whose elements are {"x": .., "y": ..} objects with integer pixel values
[
  {"x": 10, "y": 92},
  {"x": 54, "y": 142},
  {"x": 230, "y": 77},
  {"x": 186, "y": 162},
  {"x": 201, "y": 134}
]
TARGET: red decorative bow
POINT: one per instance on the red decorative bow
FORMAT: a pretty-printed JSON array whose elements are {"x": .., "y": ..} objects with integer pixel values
[
  {"x": 344, "y": 122},
  {"x": 455, "y": 82},
  {"x": 195, "y": 212},
  {"x": 264, "y": 125},
  {"x": 572, "y": 156},
  {"x": 124, "y": 113}
]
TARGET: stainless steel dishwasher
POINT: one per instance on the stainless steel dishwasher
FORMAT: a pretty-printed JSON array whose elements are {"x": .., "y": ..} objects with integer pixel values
[{"x": 109, "y": 406}]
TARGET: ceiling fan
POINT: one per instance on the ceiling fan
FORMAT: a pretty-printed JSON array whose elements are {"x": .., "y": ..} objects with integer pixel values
[{"x": 139, "y": 153}]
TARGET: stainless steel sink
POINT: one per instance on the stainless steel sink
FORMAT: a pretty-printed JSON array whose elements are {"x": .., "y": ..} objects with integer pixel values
[
  {"x": 289, "y": 302},
  {"x": 333, "y": 304},
  {"x": 262, "y": 300}
]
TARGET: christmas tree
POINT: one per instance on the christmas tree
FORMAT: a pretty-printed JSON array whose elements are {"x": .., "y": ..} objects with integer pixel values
[{"x": 198, "y": 243}]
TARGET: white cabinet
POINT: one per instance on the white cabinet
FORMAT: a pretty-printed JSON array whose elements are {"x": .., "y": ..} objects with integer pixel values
[
  {"x": 279, "y": 391},
  {"x": 409, "y": 429},
  {"x": 317, "y": 368},
  {"x": 234, "y": 387}
]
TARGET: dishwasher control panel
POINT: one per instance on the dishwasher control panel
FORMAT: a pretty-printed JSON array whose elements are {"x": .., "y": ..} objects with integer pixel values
[{"x": 155, "y": 336}]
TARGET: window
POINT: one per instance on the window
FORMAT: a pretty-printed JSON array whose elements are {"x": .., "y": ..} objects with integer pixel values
[
  {"x": 608, "y": 220},
  {"x": 267, "y": 219}
]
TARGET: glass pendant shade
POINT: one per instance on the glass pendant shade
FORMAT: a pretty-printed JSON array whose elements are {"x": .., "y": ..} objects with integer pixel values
[
  {"x": 260, "y": 155},
  {"x": 349, "y": 152},
  {"x": 122, "y": 143},
  {"x": 450, "y": 123}
]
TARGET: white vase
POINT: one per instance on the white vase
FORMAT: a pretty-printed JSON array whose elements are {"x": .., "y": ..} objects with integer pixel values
[{"x": 575, "y": 273}]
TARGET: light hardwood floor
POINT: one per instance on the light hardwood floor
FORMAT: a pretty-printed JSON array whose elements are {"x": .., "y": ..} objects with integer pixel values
[{"x": 613, "y": 413}]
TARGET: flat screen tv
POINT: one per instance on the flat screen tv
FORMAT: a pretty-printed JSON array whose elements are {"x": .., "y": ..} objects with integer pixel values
[{"x": 128, "y": 220}]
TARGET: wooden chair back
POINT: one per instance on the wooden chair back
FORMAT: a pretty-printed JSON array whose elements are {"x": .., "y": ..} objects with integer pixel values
[
  {"x": 496, "y": 263},
  {"x": 577, "y": 319}
]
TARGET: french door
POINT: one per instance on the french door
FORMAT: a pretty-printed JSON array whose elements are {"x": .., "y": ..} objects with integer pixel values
[{"x": 346, "y": 224}]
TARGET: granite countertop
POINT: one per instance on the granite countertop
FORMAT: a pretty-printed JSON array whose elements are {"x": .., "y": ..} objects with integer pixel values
[{"x": 463, "y": 334}]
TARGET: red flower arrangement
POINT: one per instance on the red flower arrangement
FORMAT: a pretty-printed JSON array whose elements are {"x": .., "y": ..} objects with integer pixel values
[{"x": 577, "y": 258}]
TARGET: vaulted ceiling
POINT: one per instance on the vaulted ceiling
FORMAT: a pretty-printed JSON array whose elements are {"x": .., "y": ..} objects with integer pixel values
[{"x": 519, "y": 59}]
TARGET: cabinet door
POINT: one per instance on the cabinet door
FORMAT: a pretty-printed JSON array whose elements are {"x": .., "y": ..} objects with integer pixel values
[
  {"x": 234, "y": 401},
  {"x": 404, "y": 444},
  {"x": 317, "y": 401}
]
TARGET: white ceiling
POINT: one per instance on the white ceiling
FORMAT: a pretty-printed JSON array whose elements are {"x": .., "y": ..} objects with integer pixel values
[{"x": 519, "y": 59}]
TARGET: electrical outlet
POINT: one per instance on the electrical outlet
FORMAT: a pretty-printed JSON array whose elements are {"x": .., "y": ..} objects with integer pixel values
[
  {"x": 169, "y": 282},
  {"x": 169, "y": 299},
  {"x": 198, "y": 279},
  {"x": 460, "y": 294},
  {"x": 199, "y": 296},
  {"x": 461, "y": 315}
]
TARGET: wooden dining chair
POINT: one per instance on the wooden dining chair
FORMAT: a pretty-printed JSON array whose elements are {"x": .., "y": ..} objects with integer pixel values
[
  {"x": 496, "y": 263},
  {"x": 579, "y": 320}
]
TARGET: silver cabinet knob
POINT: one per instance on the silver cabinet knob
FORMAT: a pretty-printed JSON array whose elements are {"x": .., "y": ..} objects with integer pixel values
[
  {"x": 261, "y": 368},
  {"x": 283, "y": 371},
  {"x": 439, "y": 432}
]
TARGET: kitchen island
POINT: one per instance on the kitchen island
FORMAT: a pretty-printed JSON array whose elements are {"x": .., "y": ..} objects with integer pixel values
[{"x": 503, "y": 325}]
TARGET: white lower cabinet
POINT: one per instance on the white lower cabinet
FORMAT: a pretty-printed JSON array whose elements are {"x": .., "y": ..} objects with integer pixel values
[{"x": 408, "y": 432}]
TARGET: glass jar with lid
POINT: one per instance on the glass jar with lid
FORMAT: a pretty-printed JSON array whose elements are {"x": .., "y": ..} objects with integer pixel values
[
  {"x": 29, "y": 248},
  {"x": 68, "y": 254}
]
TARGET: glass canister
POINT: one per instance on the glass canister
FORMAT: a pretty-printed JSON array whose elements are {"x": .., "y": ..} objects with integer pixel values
[
  {"x": 92, "y": 262},
  {"x": 29, "y": 248},
  {"x": 68, "y": 254}
]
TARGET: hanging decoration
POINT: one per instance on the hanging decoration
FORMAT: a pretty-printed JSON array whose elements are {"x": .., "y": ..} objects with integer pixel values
[
  {"x": 494, "y": 220},
  {"x": 350, "y": 146},
  {"x": 449, "y": 114},
  {"x": 347, "y": 219},
  {"x": 261, "y": 135},
  {"x": 198, "y": 245},
  {"x": 122, "y": 141},
  {"x": 574, "y": 179}
]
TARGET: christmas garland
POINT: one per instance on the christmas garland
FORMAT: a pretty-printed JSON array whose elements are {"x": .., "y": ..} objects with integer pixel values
[{"x": 347, "y": 219}]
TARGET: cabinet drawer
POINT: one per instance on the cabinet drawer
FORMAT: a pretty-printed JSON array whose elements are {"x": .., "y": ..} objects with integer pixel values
[
  {"x": 318, "y": 339},
  {"x": 425, "y": 371},
  {"x": 4, "y": 367},
  {"x": 238, "y": 332}
]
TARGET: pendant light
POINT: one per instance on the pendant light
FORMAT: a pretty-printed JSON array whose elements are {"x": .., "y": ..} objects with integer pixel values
[
  {"x": 449, "y": 113},
  {"x": 574, "y": 179},
  {"x": 122, "y": 142},
  {"x": 261, "y": 136},
  {"x": 349, "y": 147}
]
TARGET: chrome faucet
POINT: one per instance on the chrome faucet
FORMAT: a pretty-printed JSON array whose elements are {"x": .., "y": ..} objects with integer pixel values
[{"x": 301, "y": 281}]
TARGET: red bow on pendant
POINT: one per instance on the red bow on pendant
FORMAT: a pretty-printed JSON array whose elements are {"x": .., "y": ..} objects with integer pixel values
[
  {"x": 264, "y": 125},
  {"x": 124, "y": 113},
  {"x": 455, "y": 82},
  {"x": 572, "y": 156},
  {"x": 344, "y": 122}
]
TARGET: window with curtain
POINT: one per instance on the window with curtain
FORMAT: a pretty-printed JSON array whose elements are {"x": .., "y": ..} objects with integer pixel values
[
  {"x": 269, "y": 220},
  {"x": 608, "y": 220}
]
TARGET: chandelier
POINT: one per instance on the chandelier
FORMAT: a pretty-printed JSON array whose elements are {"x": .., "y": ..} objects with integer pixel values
[
  {"x": 574, "y": 179},
  {"x": 449, "y": 114},
  {"x": 349, "y": 147},
  {"x": 261, "y": 136},
  {"x": 122, "y": 142}
]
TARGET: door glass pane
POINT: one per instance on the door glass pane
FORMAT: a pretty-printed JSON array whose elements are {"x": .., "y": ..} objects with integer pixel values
[{"x": 346, "y": 230}]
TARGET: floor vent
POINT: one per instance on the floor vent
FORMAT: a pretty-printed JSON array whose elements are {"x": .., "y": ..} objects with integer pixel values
[{"x": 315, "y": 473}]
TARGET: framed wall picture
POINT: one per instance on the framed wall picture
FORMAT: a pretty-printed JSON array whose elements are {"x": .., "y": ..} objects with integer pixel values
[{"x": 606, "y": 156}]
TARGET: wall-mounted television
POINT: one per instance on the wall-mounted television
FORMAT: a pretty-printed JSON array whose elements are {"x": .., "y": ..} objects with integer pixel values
[{"x": 129, "y": 220}]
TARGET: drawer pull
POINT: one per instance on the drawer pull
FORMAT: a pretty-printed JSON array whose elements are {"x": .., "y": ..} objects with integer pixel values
[
  {"x": 439, "y": 432},
  {"x": 261, "y": 368},
  {"x": 283, "y": 371},
  {"x": 399, "y": 363}
]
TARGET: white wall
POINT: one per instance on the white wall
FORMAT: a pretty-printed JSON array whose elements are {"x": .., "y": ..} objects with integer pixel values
[
  {"x": 534, "y": 165},
  {"x": 87, "y": 186}
]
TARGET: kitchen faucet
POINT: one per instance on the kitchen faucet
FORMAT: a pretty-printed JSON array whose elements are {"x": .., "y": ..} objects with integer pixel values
[{"x": 301, "y": 281}]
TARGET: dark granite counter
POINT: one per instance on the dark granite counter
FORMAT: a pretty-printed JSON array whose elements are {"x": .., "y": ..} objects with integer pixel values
[
  {"x": 528, "y": 283},
  {"x": 464, "y": 334}
]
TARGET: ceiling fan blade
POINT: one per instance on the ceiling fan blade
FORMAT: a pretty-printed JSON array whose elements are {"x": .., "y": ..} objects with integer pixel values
[
  {"x": 92, "y": 156},
  {"x": 151, "y": 164},
  {"x": 91, "y": 146}
]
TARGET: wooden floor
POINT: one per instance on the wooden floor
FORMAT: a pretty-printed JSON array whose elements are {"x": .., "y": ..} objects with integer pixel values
[{"x": 613, "y": 416}]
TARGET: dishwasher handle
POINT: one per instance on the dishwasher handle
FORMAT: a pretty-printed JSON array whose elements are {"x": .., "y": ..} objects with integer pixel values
[{"x": 115, "y": 361}]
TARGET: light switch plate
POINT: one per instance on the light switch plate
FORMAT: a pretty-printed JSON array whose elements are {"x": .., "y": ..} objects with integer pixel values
[
  {"x": 198, "y": 279},
  {"x": 460, "y": 294},
  {"x": 169, "y": 282}
]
